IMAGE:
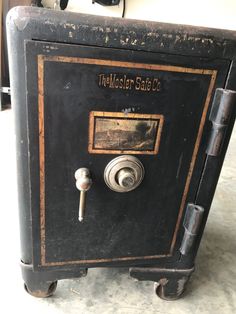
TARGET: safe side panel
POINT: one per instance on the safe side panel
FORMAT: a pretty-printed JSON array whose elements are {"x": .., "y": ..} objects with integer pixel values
[{"x": 131, "y": 225}]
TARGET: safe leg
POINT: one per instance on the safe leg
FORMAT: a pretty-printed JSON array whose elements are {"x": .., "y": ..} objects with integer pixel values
[
  {"x": 41, "y": 289},
  {"x": 169, "y": 283},
  {"x": 43, "y": 283}
]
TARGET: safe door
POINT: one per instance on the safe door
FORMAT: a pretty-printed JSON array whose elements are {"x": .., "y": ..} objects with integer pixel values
[{"x": 121, "y": 134}]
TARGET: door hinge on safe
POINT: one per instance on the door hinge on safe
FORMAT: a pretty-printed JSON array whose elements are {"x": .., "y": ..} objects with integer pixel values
[
  {"x": 192, "y": 222},
  {"x": 221, "y": 111}
]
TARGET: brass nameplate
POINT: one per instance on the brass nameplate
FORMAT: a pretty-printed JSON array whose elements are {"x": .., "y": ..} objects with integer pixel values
[
  {"x": 124, "y": 133},
  {"x": 125, "y": 82}
]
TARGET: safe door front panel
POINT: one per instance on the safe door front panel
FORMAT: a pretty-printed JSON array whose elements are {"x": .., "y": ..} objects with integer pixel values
[{"x": 87, "y": 106}]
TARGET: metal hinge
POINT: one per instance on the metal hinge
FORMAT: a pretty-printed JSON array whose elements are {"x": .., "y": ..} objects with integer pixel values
[
  {"x": 192, "y": 222},
  {"x": 5, "y": 90},
  {"x": 222, "y": 107}
]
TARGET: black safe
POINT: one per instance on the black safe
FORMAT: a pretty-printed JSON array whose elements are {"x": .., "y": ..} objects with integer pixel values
[{"x": 121, "y": 127}]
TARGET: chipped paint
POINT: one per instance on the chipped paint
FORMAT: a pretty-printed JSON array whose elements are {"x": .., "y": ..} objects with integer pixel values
[
  {"x": 128, "y": 110},
  {"x": 181, "y": 285},
  {"x": 132, "y": 38},
  {"x": 48, "y": 22},
  {"x": 54, "y": 48},
  {"x": 177, "y": 38},
  {"x": 163, "y": 281},
  {"x": 122, "y": 42},
  {"x": 48, "y": 48},
  {"x": 167, "y": 35},
  {"x": 106, "y": 39},
  {"x": 21, "y": 23},
  {"x": 100, "y": 29},
  {"x": 108, "y": 30},
  {"x": 133, "y": 42},
  {"x": 69, "y": 25}
]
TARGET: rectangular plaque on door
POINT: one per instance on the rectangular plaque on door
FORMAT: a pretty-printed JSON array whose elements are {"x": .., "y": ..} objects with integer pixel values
[{"x": 124, "y": 133}]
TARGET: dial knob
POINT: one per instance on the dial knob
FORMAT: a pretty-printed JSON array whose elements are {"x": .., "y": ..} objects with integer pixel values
[
  {"x": 126, "y": 178},
  {"x": 124, "y": 173}
]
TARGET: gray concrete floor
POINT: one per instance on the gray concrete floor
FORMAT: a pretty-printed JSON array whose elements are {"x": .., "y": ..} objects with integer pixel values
[{"x": 210, "y": 290}]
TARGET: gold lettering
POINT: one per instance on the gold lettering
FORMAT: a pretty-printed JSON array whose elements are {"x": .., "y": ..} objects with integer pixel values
[
  {"x": 125, "y": 82},
  {"x": 138, "y": 83},
  {"x": 156, "y": 85},
  {"x": 114, "y": 80},
  {"x": 131, "y": 84},
  {"x": 117, "y": 83},
  {"x": 100, "y": 79},
  {"x": 149, "y": 85},
  {"x": 104, "y": 81},
  {"x": 143, "y": 88}
]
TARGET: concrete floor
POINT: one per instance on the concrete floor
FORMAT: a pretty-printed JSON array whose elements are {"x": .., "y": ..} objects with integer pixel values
[{"x": 211, "y": 288}]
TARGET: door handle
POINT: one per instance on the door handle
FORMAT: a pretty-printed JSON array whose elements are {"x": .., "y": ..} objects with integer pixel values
[{"x": 83, "y": 184}]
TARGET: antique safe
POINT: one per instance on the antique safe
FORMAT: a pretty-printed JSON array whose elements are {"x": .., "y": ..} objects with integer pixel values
[{"x": 121, "y": 128}]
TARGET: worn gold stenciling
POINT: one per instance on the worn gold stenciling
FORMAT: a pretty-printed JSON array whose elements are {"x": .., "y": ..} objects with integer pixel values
[{"x": 125, "y": 82}]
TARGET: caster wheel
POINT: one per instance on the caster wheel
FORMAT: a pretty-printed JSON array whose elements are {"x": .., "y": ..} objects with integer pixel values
[
  {"x": 164, "y": 293},
  {"x": 42, "y": 293}
]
